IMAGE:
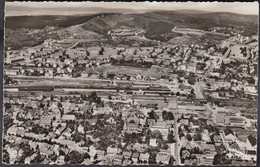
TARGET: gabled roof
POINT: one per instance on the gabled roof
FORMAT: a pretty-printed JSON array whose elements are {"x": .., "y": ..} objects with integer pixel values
[
  {"x": 228, "y": 131},
  {"x": 111, "y": 150},
  {"x": 127, "y": 154},
  {"x": 217, "y": 137},
  {"x": 135, "y": 155},
  {"x": 235, "y": 146},
  {"x": 118, "y": 157},
  {"x": 144, "y": 156},
  {"x": 100, "y": 152},
  {"x": 163, "y": 157},
  {"x": 251, "y": 152},
  {"x": 252, "y": 140}
]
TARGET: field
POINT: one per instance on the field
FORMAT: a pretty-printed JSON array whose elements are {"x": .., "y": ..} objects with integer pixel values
[{"x": 120, "y": 70}]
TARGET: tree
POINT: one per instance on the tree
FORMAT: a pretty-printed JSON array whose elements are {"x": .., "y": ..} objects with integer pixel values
[
  {"x": 192, "y": 91},
  {"x": 170, "y": 116},
  {"x": 110, "y": 97},
  {"x": 8, "y": 122},
  {"x": 191, "y": 81},
  {"x": 181, "y": 134},
  {"x": 156, "y": 134},
  {"x": 170, "y": 138},
  {"x": 6, "y": 156},
  {"x": 165, "y": 147},
  {"x": 52, "y": 98},
  {"x": 100, "y": 52},
  {"x": 76, "y": 137},
  {"x": 152, "y": 115},
  {"x": 217, "y": 159},
  {"x": 75, "y": 157},
  {"x": 164, "y": 115},
  {"x": 8, "y": 106},
  {"x": 188, "y": 136},
  {"x": 38, "y": 159},
  {"x": 94, "y": 98},
  {"x": 152, "y": 158},
  {"x": 182, "y": 116},
  {"x": 197, "y": 137},
  {"x": 111, "y": 76}
]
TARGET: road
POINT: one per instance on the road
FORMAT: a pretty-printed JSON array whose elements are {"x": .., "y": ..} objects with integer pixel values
[
  {"x": 197, "y": 90},
  {"x": 177, "y": 149}
]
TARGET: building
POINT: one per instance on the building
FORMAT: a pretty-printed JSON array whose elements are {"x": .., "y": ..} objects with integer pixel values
[
  {"x": 217, "y": 139},
  {"x": 251, "y": 144},
  {"x": 68, "y": 117},
  {"x": 144, "y": 158},
  {"x": 133, "y": 123},
  {"x": 161, "y": 126},
  {"x": 164, "y": 158},
  {"x": 118, "y": 160},
  {"x": 221, "y": 118},
  {"x": 111, "y": 151},
  {"x": 135, "y": 157},
  {"x": 236, "y": 121}
]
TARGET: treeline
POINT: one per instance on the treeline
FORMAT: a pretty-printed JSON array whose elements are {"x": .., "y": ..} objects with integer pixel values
[{"x": 39, "y": 22}]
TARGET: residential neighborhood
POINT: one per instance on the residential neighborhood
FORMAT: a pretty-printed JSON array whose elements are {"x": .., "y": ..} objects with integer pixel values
[{"x": 76, "y": 102}]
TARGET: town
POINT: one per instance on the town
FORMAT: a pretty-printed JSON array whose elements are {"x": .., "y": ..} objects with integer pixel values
[
  {"x": 118, "y": 89},
  {"x": 192, "y": 105}
]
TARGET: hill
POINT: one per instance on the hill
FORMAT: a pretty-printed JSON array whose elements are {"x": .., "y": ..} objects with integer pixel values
[
  {"x": 161, "y": 22},
  {"x": 40, "y": 22},
  {"x": 157, "y": 24}
]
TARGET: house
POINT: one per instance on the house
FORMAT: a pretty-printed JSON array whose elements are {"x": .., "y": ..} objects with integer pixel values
[
  {"x": 250, "y": 89},
  {"x": 217, "y": 139},
  {"x": 100, "y": 154},
  {"x": 235, "y": 146},
  {"x": 184, "y": 89},
  {"x": 190, "y": 162},
  {"x": 102, "y": 110},
  {"x": 59, "y": 130},
  {"x": 191, "y": 67},
  {"x": 46, "y": 121},
  {"x": 153, "y": 142},
  {"x": 229, "y": 135},
  {"x": 236, "y": 121},
  {"x": 68, "y": 117},
  {"x": 204, "y": 160},
  {"x": 144, "y": 158},
  {"x": 127, "y": 162},
  {"x": 20, "y": 131},
  {"x": 221, "y": 118},
  {"x": 118, "y": 160},
  {"x": 138, "y": 92},
  {"x": 127, "y": 154},
  {"x": 64, "y": 142},
  {"x": 172, "y": 104},
  {"x": 251, "y": 144},
  {"x": 133, "y": 123},
  {"x": 185, "y": 154},
  {"x": 33, "y": 145},
  {"x": 111, "y": 151},
  {"x": 135, "y": 157},
  {"x": 60, "y": 160},
  {"x": 164, "y": 158},
  {"x": 160, "y": 126},
  {"x": 111, "y": 120},
  {"x": 12, "y": 130},
  {"x": 138, "y": 76},
  {"x": 77, "y": 52}
]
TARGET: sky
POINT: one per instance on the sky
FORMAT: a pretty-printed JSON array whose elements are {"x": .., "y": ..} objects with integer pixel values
[{"x": 39, "y": 8}]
